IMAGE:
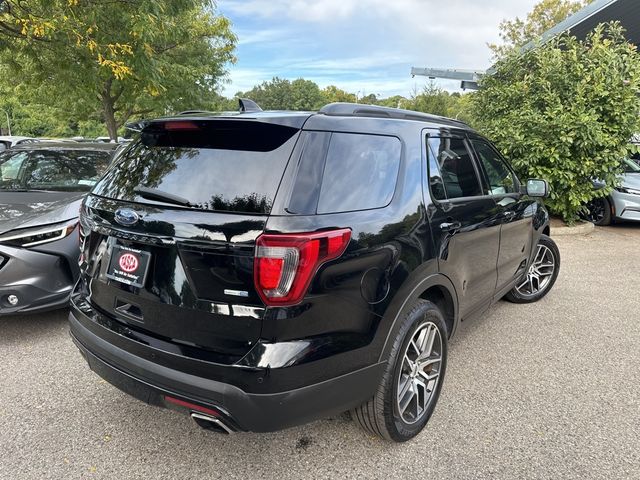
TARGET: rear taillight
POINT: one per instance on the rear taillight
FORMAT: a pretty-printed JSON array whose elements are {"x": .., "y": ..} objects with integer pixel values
[{"x": 286, "y": 263}]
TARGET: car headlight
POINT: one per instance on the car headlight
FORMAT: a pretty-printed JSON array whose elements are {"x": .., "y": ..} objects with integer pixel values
[
  {"x": 632, "y": 191},
  {"x": 30, "y": 237}
]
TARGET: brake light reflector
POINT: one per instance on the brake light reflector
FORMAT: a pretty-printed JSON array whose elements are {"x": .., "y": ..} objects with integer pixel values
[
  {"x": 286, "y": 263},
  {"x": 191, "y": 406},
  {"x": 180, "y": 125}
]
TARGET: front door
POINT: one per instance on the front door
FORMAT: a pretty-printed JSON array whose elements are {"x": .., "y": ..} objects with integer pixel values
[
  {"x": 514, "y": 209},
  {"x": 465, "y": 223}
]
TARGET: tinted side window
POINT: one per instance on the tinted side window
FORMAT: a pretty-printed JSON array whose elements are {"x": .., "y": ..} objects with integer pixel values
[
  {"x": 456, "y": 167},
  {"x": 436, "y": 183},
  {"x": 304, "y": 197},
  {"x": 360, "y": 172},
  {"x": 498, "y": 174}
]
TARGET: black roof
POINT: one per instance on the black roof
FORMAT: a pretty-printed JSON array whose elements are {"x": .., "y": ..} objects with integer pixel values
[
  {"x": 91, "y": 146},
  {"x": 297, "y": 119}
]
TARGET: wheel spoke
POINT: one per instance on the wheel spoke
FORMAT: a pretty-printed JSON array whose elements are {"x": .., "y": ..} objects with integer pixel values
[
  {"x": 406, "y": 400},
  {"x": 407, "y": 361},
  {"x": 524, "y": 283},
  {"x": 429, "y": 376},
  {"x": 405, "y": 388},
  {"x": 425, "y": 362},
  {"x": 414, "y": 346},
  {"x": 427, "y": 346}
]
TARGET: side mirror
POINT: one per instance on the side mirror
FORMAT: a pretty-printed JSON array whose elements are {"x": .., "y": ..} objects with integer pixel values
[{"x": 537, "y": 188}]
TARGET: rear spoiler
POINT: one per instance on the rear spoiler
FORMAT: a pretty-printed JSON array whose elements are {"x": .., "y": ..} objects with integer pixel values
[{"x": 245, "y": 105}]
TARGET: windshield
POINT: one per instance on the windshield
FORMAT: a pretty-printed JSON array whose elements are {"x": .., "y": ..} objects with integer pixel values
[{"x": 58, "y": 170}]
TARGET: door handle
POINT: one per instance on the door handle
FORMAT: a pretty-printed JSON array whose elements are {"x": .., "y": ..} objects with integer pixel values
[{"x": 450, "y": 226}]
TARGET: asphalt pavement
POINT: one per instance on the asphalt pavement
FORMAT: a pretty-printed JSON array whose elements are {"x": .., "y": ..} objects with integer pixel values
[{"x": 548, "y": 390}]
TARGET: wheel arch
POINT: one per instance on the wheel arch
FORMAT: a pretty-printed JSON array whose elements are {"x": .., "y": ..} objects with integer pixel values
[{"x": 436, "y": 288}]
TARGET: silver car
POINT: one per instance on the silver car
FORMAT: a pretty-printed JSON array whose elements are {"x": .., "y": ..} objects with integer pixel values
[{"x": 623, "y": 204}]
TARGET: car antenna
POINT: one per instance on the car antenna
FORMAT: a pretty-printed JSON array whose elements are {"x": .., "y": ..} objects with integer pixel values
[{"x": 247, "y": 105}]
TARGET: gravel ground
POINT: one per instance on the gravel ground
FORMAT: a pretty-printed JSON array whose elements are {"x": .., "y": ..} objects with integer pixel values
[{"x": 549, "y": 390}]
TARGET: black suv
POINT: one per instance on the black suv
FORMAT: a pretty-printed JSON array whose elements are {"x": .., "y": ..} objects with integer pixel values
[{"x": 260, "y": 270}]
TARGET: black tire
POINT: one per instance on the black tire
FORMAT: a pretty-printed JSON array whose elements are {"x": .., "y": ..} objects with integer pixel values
[
  {"x": 380, "y": 415},
  {"x": 517, "y": 295},
  {"x": 599, "y": 212}
]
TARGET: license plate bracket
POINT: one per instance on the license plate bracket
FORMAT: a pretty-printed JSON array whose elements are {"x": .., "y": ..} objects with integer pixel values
[{"x": 128, "y": 265}]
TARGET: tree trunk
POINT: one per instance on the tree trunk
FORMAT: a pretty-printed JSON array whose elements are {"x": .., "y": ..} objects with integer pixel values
[
  {"x": 110, "y": 119},
  {"x": 108, "y": 110}
]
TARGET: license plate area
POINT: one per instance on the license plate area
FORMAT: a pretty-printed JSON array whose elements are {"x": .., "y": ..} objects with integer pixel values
[{"x": 128, "y": 265}]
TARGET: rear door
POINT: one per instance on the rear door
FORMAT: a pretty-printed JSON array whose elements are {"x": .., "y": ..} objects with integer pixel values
[
  {"x": 517, "y": 219},
  {"x": 464, "y": 221},
  {"x": 171, "y": 230}
]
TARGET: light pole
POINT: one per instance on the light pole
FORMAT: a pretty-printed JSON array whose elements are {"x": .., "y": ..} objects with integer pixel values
[{"x": 8, "y": 121}]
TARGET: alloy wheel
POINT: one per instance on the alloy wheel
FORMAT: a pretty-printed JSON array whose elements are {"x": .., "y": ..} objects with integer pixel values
[
  {"x": 420, "y": 373},
  {"x": 596, "y": 210},
  {"x": 540, "y": 273}
]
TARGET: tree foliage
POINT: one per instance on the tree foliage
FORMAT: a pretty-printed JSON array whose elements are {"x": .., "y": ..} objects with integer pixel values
[
  {"x": 117, "y": 59},
  {"x": 546, "y": 14},
  {"x": 282, "y": 94},
  {"x": 565, "y": 112}
]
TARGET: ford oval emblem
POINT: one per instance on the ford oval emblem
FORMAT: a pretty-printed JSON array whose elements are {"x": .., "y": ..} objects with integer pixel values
[{"x": 126, "y": 217}]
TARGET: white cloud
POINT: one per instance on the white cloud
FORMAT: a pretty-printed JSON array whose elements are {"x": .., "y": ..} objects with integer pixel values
[{"x": 368, "y": 44}]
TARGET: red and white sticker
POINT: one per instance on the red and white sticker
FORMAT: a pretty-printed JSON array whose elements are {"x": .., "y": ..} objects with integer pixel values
[{"x": 128, "y": 262}]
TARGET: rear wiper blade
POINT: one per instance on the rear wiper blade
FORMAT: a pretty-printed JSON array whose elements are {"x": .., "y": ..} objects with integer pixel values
[{"x": 159, "y": 195}]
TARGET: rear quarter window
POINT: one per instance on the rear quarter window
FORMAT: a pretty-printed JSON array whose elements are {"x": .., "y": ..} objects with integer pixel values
[{"x": 356, "y": 172}]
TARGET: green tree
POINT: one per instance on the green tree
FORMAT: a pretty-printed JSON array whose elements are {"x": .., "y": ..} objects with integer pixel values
[
  {"x": 369, "y": 99},
  {"x": 333, "y": 94},
  {"x": 565, "y": 112},
  {"x": 118, "y": 59},
  {"x": 546, "y": 14},
  {"x": 282, "y": 94},
  {"x": 306, "y": 95},
  {"x": 396, "y": 101}
]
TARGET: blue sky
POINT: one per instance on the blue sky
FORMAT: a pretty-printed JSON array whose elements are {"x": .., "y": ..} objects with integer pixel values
[{"x": 365, "y": 46}]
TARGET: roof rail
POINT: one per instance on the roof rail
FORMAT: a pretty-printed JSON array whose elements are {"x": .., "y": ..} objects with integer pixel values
[
  {"x": 340, "y": 109},
  {"x": 248, "y": 105}
]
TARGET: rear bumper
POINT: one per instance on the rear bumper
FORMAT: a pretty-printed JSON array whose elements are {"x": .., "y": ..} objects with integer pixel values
[{"x": 150, "y": 382}]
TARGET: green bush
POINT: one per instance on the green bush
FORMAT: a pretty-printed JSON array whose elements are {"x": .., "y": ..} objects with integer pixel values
[{"x": 565, "y": 111}]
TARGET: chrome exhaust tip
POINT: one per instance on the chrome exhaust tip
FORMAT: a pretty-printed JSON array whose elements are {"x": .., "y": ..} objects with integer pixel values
[{"x": 212, "y": 423}]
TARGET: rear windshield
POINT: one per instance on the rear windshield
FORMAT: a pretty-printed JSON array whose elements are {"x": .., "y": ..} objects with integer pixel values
[{"x": 218, "y": 165}]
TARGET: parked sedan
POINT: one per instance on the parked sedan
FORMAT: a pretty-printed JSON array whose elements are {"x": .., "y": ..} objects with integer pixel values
[
  {"x": 41, "y": 187},
  {"x": 621, "y": 204}
]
